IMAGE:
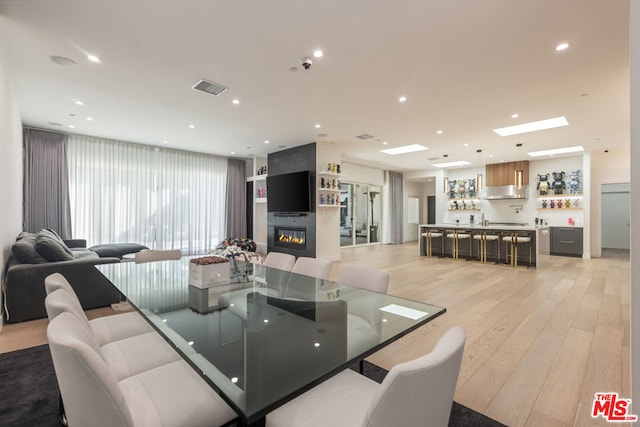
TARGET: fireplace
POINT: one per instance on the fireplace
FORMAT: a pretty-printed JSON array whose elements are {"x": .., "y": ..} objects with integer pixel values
[
  {"x": 292, "y": 234},
  {"x": 290, "y": 237}
]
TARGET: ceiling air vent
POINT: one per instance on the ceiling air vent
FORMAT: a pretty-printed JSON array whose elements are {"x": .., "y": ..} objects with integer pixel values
[
  {"x": 211, "y": 88},
  {"x": 433, "y": 158},
  {"x": 364, "y": 136}
]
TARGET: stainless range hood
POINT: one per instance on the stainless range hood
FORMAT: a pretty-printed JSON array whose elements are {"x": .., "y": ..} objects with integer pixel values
[{"x": 505, "y": 192}]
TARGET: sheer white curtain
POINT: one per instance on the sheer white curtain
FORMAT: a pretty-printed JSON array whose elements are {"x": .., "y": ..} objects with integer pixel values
[{"x": 165, "y": 199}]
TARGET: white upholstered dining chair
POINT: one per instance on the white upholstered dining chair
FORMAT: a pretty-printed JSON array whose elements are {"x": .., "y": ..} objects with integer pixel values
[
  {"x": 105, "y": 329},
  {"x": 279, "y": 260},
  {"x": 169, "y": 395},
  {"x": 415, "y": 393},
  {"x": 312, "y": 267},
  {"x": 364, "y": 277},
  {"x": 157, "y": 255}
]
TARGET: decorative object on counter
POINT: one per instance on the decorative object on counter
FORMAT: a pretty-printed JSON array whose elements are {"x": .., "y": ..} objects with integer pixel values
[
  {"x": 543, "y": 184},
  {"x": 337, "y": 168},
  {"x": 558, "y": 184},
  {"x": 544, "y": 204},
  {"x": 261, "y": 170},
  {"x": 552, "y": 204},
  {"x": 567, "y": 203},
  {"x": 321, "y": 182},
  {"x": 464, "y": 205},
  {"x": 536, "y": 220},
  {"x": 337, "y": 199},
  {"x": 322, "y": 199},
  {"x": 207, "y": 271},
  {"x": 574, "y": 182},
  {"x": 571, "y": 221},
  {"x": 471, "y": 188},
  {"x": 559, "y": 204}
]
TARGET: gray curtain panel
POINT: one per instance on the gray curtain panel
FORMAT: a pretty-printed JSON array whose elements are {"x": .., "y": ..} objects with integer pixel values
[
  {"x": 236, "y": 198},
  {"x": 397, "y": 201},
  {"x": 46, "y": 182}
]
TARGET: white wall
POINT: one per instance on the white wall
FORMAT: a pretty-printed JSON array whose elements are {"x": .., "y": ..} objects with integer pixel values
[
  {"x": 411, "y": 189},
  {"x": 634, "y": 38},
  {"x": 10, "y": 164}
]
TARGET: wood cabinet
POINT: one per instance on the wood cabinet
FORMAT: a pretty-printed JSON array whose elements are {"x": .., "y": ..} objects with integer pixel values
[{"x": 499, "y": 174}]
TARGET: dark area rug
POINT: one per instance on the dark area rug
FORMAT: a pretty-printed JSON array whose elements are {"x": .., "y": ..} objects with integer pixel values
[{"x": 29, "y": 392}]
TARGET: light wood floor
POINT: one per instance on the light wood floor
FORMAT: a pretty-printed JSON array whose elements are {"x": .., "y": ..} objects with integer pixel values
[{"x": 540, "y": 342}]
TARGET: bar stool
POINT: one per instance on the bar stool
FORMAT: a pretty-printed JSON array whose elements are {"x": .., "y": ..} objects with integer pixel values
[
  {"x": 482, "y": 239},
  {"x": 512, "y": 240},
  {"x": 429, "y": 236},
  {"x": 456, "y": 236}
]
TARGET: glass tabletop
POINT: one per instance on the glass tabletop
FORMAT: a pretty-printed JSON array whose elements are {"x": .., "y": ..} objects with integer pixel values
[{"x": 260, "y": 335}]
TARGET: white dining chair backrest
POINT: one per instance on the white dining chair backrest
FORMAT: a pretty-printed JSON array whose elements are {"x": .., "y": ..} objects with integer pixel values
[
  {"x": 57, "y": 281},
  {"x": 279, "y": 260},
  {"x": 364, "y": 277},
  {"x": 153, "y": 255},
  {"x": 313, "y": 267},
  {"x": 421, "y": 389},
  {"x": 89, "y": 390},
  {"x": 60, "y": 301}
]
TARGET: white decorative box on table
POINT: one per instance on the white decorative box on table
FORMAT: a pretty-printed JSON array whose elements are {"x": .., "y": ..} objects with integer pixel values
[{"x": 209, "y": 271}]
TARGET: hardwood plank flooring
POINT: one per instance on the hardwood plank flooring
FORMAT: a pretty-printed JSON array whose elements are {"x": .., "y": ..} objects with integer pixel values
[{"x": 540, "y": 342}]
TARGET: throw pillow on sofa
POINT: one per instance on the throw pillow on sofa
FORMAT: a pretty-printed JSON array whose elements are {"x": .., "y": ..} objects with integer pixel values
[
  {"x": 55, "y": 236},
  {"x": 24, "y": 250},
  {"x": 50, "y": 248}
]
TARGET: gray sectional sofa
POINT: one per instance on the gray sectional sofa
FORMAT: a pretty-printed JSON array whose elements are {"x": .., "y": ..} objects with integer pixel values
[{"x": 34, "y": 256}]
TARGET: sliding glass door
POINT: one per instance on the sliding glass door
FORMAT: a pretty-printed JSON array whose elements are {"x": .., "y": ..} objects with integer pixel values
[{"x": 360, "y": 214}]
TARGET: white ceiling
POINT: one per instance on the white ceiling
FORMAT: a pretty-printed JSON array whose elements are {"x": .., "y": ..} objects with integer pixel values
[{"x": 465, "y": 67}]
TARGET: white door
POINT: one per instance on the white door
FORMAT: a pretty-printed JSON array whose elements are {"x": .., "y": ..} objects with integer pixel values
[{"x": 616, "y": 220}]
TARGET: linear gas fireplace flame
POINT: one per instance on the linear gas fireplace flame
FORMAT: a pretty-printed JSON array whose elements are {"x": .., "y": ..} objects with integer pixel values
[{"x": 290, "y": 237}]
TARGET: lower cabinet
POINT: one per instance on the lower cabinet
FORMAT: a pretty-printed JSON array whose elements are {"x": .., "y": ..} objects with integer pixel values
[{"x": 566, "y": 241}]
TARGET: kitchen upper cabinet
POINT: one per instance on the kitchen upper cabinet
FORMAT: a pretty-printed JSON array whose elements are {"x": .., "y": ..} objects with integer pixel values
[{"x": 499, "y": 174}]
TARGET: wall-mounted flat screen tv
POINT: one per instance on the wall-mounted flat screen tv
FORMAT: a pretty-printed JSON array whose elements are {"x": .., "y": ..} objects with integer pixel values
[{"x": 289, "y": 192}]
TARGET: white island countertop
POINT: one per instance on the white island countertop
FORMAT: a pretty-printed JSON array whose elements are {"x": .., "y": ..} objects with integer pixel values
[{"x": 494, "y": 226}]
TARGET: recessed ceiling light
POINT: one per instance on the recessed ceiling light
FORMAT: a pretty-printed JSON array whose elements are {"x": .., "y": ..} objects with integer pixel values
[
  {"x": 266, "y": 142},
  {"x": 317, "y": 125},
  {"x": 233, "y": 152},
  {"x": 61, "y": 60},
  {"x": 555, "y": 122},
  {"x": 90, "y": 119},
  {"x": 55, "y": 123},
  {"x": 564, "y": 150},
  {"x": 165, "y": 142},
  {"x": 501, "y": 161},
  {"x": 318, "y": 53},
  {"x": 491, "y": 155},
  {"x": 562, "y": 46},
  {"x": 93, "y": 58},
  {"x": 78, "y": 102},
  {"x": 451, "y": 164},
  {"x": 402, "y": 99},
  {"x": 466, "y": 144},
  {"x": 515, "y": 116},
  {"x": 405, "y": 149},
  {"x": 439, "y": 132},
  {"x": 192, "y": 126},
  {"x": 72, "y": 126},
  {"x": 236, "y": 101},
  {"x": 384, "y": 143}
]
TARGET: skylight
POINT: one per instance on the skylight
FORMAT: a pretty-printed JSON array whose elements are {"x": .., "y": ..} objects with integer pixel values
[
  {"x": 564, "y": 150},
  {"x": 556, "y": 122},
  {"x": 451, "y": 164},
  {"x": 403, "y": 150}
]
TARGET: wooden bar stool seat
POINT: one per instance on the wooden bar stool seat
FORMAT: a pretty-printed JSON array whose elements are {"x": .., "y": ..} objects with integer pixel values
[
  {"x": 456, "y": 236},
  {"x": 429, "y": 236},
  {"x": 512, "y": 240},
  {"x": 482, "y": 239}
]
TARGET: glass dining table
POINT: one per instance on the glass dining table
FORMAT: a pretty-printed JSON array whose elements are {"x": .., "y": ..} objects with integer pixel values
[{"x": 264, "y": 336}]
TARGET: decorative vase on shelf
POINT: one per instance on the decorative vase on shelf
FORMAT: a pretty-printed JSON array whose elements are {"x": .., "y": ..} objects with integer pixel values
[{"x": 322, "y": 199}]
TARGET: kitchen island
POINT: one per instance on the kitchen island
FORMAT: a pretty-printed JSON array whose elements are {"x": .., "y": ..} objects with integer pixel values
[{"x": 469, "y": 247}]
